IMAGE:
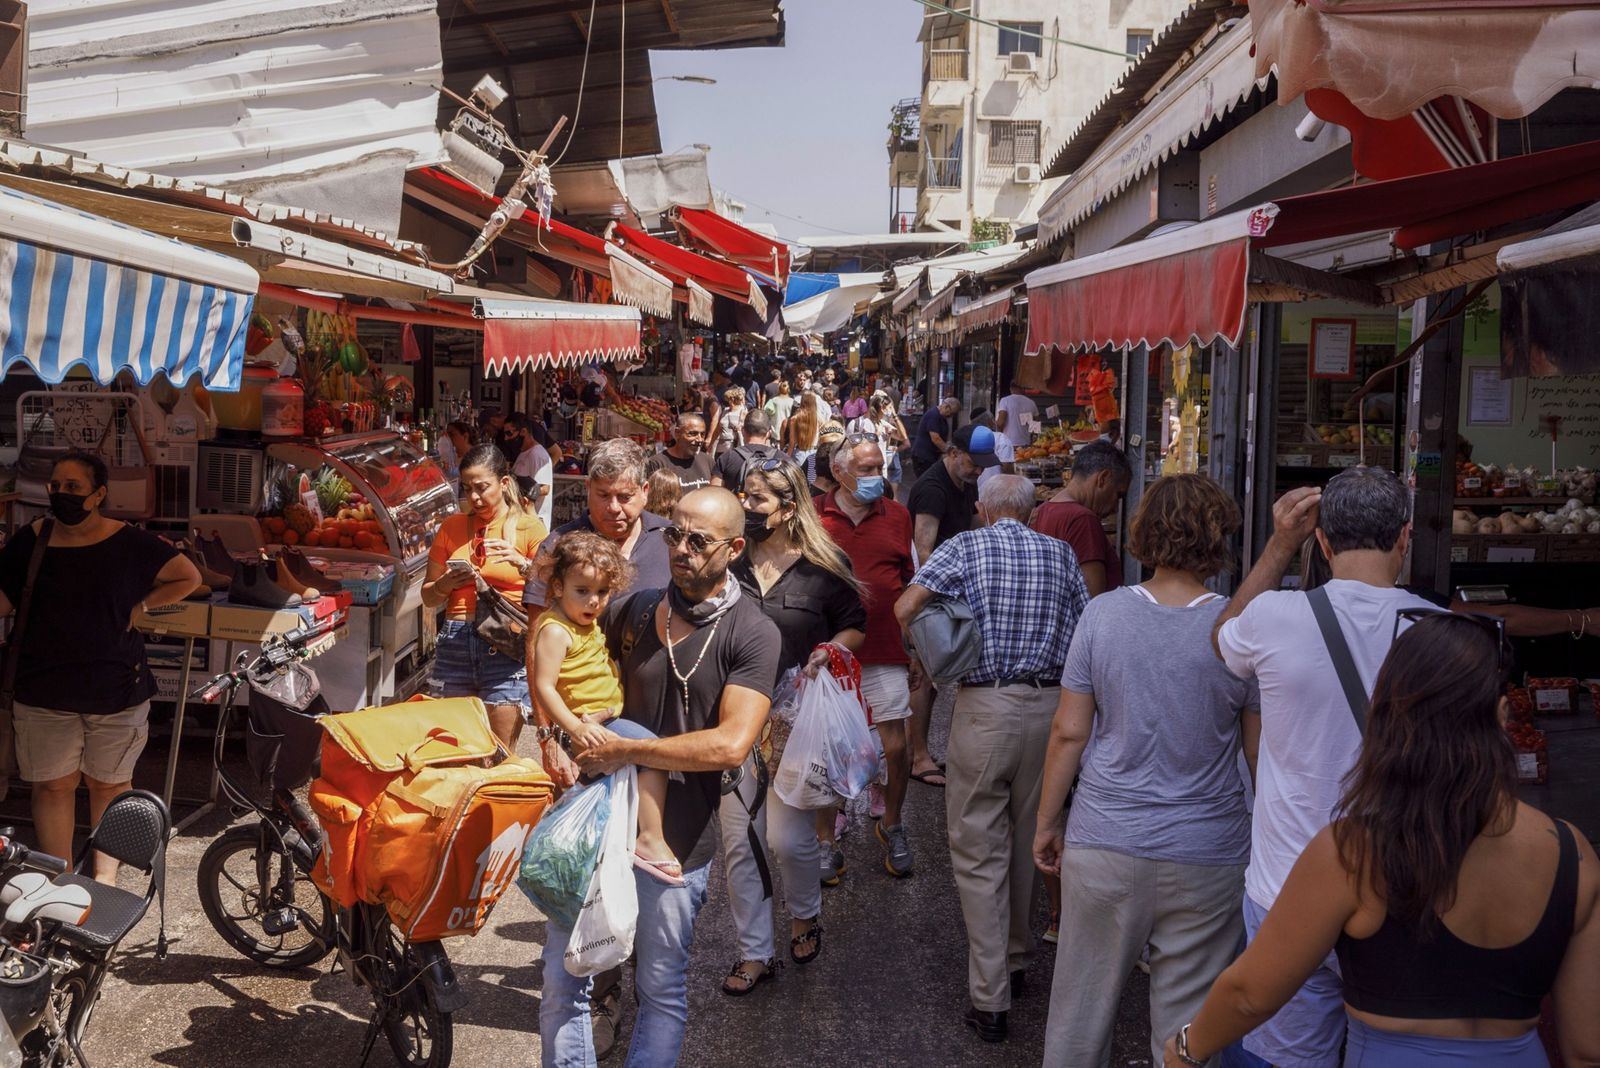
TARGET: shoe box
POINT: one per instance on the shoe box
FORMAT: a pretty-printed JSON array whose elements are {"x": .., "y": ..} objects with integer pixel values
[{"x": 186, "y": 619}]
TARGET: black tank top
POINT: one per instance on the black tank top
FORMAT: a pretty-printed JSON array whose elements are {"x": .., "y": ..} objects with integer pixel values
[{"x": 1396, "y": 972}]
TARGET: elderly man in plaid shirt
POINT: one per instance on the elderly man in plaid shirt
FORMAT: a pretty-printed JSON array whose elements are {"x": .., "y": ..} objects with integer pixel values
[{"x": 1026, "y": 594}]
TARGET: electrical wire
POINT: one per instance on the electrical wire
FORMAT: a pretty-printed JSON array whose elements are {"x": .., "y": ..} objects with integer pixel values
[
  {"x": 794, "y": 218},
  {"x": 970, "y": 17},
  {"x": 583, "y": 77}
]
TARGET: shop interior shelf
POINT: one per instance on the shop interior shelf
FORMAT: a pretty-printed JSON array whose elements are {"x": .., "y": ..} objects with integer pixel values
[{"x": 1475, "y": 502}]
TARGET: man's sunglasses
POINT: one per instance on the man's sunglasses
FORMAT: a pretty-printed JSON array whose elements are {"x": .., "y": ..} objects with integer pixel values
[
  {"x": 1494, "y": 625},
  {"x": 697, "y": 542}
]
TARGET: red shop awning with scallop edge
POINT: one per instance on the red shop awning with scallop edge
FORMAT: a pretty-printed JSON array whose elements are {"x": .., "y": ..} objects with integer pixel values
[
  {"x": 683, "y": 266},
  {"x": 1193, "y": 284},
  {"x": 528, "y": 334},
  {"x": 707, "y": 230}
]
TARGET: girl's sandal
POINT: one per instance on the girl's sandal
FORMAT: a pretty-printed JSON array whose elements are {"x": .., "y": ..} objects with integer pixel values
[
  {"x": 667, "y": 871},
  {"x": 740, "y": 982},
  {"x": 812, "y": 934}
]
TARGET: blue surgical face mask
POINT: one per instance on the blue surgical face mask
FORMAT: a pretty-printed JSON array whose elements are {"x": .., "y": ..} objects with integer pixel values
[{"x": 868, "y": 488}]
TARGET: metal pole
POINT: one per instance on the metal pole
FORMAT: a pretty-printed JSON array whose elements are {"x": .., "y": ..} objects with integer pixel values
[{"x": 177, "y": 722}]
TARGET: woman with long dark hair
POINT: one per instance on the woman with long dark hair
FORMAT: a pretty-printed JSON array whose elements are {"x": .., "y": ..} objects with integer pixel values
[
  {"x": 801, "y": 579},
  {"x": 1453, "y": 907},
  {"x": 496, "y": 536}
]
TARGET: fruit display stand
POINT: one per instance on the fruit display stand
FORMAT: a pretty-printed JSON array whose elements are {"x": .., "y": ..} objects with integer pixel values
[{"x": 380, "y": 490}]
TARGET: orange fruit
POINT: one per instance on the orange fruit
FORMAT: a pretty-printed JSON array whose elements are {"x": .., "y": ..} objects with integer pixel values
[
  {"x": 313, "y": 539},
  {"x": 363, "y": 540},
  {"x": 291, "y": 537},
  {"x": 347, "y": 542}
]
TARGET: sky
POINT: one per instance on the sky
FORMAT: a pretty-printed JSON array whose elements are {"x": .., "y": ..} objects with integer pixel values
[{"x": 799, "y": 133}]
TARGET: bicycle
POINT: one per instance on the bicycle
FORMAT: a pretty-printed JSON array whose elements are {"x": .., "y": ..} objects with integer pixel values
[
  {"x": 60, "y": 928},
  {"x": 255, "y": 880}
]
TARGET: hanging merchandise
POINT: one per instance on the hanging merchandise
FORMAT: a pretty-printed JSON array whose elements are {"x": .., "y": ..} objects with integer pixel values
[{"x": 1103, "y": 392}]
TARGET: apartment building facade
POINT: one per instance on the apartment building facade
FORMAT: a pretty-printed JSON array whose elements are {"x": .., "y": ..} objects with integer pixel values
[{"x": 1001, "y": 81}]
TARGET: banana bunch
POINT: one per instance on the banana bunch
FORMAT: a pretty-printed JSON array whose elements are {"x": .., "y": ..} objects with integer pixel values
[{"x": 332, "y": 340}]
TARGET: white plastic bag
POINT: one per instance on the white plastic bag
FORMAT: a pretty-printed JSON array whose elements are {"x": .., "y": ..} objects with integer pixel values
[
  {"x": 831, "y": 755},
  {"x": 559, "y": 860},
  {"x": 603, "y": 935}
]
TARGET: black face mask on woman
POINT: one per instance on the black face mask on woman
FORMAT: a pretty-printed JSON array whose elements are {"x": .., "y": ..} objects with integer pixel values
[
  {"x": 755, "y": 527},
  {"x": 68, "y": 508}
]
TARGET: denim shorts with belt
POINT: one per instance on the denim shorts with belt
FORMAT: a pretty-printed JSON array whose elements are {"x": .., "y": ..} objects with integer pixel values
[{"x": 464, "y": 665}]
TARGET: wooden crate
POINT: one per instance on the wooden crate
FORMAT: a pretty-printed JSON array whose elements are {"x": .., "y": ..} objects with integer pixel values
[
  {"x": 1515, "y": 548},
  {"x": 1573, "y": 548}
]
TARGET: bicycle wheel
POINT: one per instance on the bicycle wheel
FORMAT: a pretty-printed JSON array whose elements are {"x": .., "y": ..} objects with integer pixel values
[
  {"x": 419, "y": 1032},
  {"x": 72, "y": 999},
  {"x": 239, "y": 903}
]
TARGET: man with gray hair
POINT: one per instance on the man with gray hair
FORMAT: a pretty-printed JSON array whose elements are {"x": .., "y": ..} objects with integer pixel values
[
  {"x": 1026, "y": 594},
  {"x": 1310, "y": 737}
]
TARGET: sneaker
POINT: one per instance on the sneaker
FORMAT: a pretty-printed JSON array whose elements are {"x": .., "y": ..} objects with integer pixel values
[
  {"x": 1052, "y": 934},
  {"x": 1143, "y": 963},
  {"x": 841, "y": 824},
  {"x": 896, "y": 850},
  {"x": 603, "y": 1013},
  {"x": 876, "y": 806},
  {"x": 833, "y": 866}
]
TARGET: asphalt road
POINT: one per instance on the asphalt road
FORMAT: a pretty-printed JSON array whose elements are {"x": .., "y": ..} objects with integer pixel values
[{"x": 889, "y": 988}]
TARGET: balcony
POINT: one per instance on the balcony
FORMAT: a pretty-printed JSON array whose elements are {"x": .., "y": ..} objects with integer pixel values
[
  {"x": 942, "y": 172},
  {"x": 947, "y": 65}
]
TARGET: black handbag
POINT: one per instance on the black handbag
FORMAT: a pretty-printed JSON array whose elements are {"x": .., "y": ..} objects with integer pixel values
[{"x": 499, "y": 620}]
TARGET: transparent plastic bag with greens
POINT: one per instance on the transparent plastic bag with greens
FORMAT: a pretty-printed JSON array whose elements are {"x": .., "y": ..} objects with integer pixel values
[{"x": 559, "y": 860}]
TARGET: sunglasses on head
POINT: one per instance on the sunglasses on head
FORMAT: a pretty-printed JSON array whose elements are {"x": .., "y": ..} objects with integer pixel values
[
  {"x": 860, "y": 436},
  {"x": 1494, "y": 625},
  {"x": 697, "y": 542}
]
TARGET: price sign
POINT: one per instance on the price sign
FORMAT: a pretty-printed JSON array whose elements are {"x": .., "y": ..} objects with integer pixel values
[
  {"x": 1553, "y": 700},
  {"x": 1343, "y": 459},
  {"x": 1294, "y": 459},
  {"x": 1053, "y": 412}
]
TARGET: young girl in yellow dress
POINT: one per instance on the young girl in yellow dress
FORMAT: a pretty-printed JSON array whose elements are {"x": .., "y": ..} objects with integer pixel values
[{"x": 575, "y": 684}]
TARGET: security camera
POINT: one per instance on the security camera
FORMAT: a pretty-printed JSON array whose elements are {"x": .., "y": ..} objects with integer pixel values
[
  {"x": 488, "y": 93},
  {"x": 1310, "y": 128}
]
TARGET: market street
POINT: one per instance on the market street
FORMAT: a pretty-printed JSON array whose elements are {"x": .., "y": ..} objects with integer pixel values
[{"x": 206, "y": 1003}]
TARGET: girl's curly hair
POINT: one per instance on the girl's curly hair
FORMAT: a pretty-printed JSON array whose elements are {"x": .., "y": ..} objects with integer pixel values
[
  {"x": 1185, "y": 522},
  {"x": 582, "y": 549}
]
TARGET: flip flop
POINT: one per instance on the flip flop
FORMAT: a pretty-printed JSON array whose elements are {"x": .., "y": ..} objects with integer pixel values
[
  {"x": 928, "y": 778},
  {"x": 667, "y": 871}
]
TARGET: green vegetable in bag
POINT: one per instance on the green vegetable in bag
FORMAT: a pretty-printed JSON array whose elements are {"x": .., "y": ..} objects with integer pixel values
[{"x": 559, "y": 860}]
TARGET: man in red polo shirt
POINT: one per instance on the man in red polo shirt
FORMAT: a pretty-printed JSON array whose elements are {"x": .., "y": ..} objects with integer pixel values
[{"x": 875, "y": 533}]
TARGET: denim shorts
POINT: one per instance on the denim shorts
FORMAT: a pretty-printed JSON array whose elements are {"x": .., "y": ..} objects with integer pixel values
[{"x": 464, "y": 665}]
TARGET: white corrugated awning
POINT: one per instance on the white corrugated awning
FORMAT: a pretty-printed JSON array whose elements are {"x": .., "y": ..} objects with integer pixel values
[
  {"x": 700, "y": 304},
  {"x": 632, "y": 282},
  {"x": 318, "y": 104},
  {"x": 1213, "y": 85},
  {"x": 530, "y": 334},
  {"x": 81, "y": 289}
]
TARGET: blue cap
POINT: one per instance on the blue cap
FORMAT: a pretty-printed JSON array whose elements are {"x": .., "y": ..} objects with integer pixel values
[{"x": 977, "y": 442}]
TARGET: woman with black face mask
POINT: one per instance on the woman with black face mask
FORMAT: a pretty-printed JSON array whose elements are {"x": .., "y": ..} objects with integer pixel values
[
  {"x": 82, "y": 686},
  {"x": 803, "y": 582}
]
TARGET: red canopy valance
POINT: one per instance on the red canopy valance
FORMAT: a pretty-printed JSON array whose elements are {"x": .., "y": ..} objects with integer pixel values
[
  {"x": 712, "y": 232},
  {"x": 682, "y": 265}
]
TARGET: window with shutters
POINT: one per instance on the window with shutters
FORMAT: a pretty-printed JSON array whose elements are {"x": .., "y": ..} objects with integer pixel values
[{"x": 1013, "y": 142}]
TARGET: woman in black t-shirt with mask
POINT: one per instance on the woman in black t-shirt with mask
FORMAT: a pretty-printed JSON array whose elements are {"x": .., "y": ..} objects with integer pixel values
[
  {"x": 803, "y": 582},
  {"x": 83, "y": 688}
]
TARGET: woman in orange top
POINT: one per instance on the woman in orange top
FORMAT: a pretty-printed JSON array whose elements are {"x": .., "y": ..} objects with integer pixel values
[{"x": 496, "y": 537}]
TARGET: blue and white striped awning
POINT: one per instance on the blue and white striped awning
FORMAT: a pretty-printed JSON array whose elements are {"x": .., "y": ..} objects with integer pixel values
[{"x": 77, "y": 288}]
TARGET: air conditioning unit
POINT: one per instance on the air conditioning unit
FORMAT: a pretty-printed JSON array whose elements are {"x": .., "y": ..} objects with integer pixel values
[
  {"x": 1026, "y": 173},
  {"x": 229, "y": 479},
  {"x": 1021, "y": 63}
]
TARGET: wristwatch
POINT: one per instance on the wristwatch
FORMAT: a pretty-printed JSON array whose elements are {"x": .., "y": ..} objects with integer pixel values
[
  {"x": 544, "y": 734},
  {"x": 1183, "y": 1048}
]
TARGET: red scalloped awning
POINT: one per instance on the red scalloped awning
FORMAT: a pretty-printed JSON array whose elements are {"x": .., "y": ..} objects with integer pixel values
[
  {"x": 714, "y": 233},
  {"x": 682, "y": 265},
  {"x": 528, "y": 334},
  {"x": 1193, "y": 283}
]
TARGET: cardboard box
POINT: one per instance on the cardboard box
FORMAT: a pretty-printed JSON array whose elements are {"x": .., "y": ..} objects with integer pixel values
[
  {"x": 186, "y": 619},
  {"x": 1466, "y": 549},
  {"x": 1573, "y": 548}
]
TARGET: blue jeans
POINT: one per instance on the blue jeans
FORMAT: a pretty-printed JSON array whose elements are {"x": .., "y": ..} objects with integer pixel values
[{"x": 661, "y": 980}]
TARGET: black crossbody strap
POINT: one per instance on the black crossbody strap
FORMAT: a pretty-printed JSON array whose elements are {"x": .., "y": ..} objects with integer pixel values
[
  {"x": 13, "y": 653},
  {"x": 1339, "y": 651}
]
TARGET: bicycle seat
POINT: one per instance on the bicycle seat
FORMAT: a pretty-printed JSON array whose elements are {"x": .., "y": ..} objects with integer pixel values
[{"x": 31, "y": 895}]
